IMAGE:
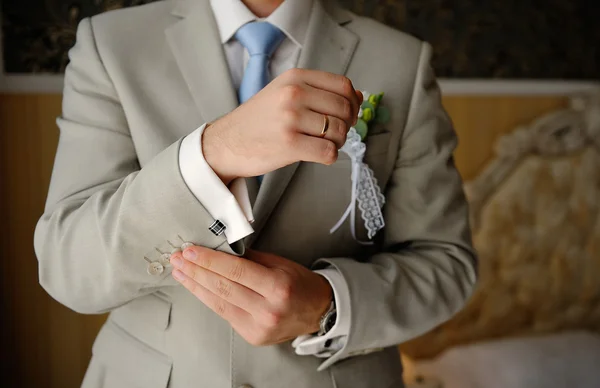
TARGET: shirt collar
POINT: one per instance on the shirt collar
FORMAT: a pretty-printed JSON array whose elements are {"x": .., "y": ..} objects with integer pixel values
[{"x": 291, "y": 17}]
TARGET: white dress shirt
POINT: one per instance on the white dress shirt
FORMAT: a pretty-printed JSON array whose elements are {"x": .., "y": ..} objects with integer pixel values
[{"x": 231, "y": 205}]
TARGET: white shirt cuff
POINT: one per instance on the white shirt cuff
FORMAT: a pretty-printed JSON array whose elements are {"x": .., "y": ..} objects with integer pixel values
[
  {"x": 232, "y": 208},
  {"x": 333, "y": 341}
]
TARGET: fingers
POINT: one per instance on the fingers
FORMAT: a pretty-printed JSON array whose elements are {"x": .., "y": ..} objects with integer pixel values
[
  {"x": 333, "y": 83},
  {"x": 331, "y": 104},
  {"x": 237, "y": 269},
  {"x": 315, "y": 149},
  {"x": 224, "y": 288},
  {"x": 312, "y": 124},
  {"x": 360, "y": 97},
  {"x": 217, "y": 304}
]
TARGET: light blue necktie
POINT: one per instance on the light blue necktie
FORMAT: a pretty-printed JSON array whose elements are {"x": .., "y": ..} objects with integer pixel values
[{"x": 261, "y": 39}]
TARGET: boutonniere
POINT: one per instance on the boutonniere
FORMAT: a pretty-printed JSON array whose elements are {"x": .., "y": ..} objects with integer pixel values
[
  {"x": 371, "y": 112},
  {"x": 366, "y": 194}
]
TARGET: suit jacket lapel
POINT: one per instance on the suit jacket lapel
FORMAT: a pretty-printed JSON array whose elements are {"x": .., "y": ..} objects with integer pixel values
[
  {"x": 328, "y": 47},
  {"x": 196, "y": 45}
]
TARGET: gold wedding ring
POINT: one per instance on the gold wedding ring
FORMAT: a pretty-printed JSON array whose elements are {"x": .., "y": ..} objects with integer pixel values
[{"x": 325, "y": 126}]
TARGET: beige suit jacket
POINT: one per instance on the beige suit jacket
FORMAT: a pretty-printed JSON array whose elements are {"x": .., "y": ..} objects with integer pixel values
[{"x": 142, "y": 78}]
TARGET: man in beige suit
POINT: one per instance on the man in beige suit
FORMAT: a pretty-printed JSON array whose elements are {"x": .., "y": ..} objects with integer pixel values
[{"x": 197, "y": 208}]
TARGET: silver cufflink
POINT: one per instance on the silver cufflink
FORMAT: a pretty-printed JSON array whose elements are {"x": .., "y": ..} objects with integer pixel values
[{"x": 217, "y": 228}]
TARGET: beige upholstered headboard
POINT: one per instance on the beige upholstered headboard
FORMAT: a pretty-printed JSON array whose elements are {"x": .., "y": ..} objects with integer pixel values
[{"x": 535, "y": 211}]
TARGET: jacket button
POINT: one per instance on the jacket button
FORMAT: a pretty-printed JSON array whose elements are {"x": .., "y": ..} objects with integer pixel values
[
  {"x": 165, "y": 259},
  {"x": 155, "y": 268},
  {"x": 187, "y": 245}
]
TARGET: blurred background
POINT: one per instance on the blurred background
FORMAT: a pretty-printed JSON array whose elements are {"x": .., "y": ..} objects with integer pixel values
[{"x": 520, "y": 81}]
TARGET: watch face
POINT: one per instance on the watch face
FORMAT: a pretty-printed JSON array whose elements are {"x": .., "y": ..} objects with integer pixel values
[{"x": 330, "y": 321}]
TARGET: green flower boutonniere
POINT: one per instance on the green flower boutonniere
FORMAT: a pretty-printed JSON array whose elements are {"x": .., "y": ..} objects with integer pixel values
[
  {"x": 366, "y": 195},
  {"x": 371, "y": 112}
]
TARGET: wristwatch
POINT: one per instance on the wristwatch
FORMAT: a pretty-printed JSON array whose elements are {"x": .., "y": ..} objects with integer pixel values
[{"x": 328, "y": 320}]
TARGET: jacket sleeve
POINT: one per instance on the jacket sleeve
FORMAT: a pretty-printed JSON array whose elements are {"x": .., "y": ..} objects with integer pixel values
[
  {"x": 427, "y": 268},
  {"x": 106, "y": 219}
]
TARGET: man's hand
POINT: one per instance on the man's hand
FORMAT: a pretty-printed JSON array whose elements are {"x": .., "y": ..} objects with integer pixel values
[
  {"x": 267, "y": 299},
  {"x": 281, "y": 125}
]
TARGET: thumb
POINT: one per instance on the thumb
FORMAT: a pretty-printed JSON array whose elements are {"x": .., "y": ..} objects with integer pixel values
[{"x": 360, "y": 96}]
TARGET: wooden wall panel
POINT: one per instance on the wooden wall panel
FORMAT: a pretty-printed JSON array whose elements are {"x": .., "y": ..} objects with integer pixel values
[{"x": 46, "y": 345}]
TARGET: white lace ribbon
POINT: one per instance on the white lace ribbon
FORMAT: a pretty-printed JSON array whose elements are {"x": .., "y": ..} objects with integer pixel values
[{"x": 366, "y": 194}]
